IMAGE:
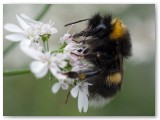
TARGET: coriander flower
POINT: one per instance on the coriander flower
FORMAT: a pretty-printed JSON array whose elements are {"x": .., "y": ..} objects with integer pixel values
[
  {"x": 80, "y": 64},
  {"x": 29, "y": 29},
  {"x": 62, "y": 83},
  {"x": 54, "y": 63},
  {"x": 44, "y": 62},
  {"x": 67, "y": 38},
  {"x": 47, "y": 29},
  {"x": 72, "y": 47},
  {"x": 81, "y": 90},
  {"x": 25, "y": 31},
  {"x": 26, "y": 43},
  {"x": 44, "y": 28}
]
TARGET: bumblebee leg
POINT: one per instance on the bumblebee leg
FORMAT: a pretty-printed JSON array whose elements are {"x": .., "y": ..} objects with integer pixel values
[
  {"x": 99, "y": 58},
  {"x": 79, "y": 34},
  {"x": 93, "y": 56},
  {"x": 86, "y": 41},
  {"x": 81, "y": 75},
  {"x": 85, "y": 56},
  {"x": 80, "y": 41}
]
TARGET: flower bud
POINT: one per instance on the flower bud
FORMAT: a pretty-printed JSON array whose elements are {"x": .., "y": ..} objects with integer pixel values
[{"x": 45, "y": 37}]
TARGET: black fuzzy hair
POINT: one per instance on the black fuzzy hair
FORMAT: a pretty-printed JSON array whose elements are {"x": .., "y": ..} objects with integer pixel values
[{"x": 96, "y": 19}]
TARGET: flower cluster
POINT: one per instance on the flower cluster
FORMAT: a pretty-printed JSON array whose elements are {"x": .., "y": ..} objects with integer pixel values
[{"x": 30, "y": 35}]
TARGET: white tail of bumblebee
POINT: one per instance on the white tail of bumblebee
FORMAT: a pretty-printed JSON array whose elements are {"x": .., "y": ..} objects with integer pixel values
[{"x": 99, "y": 101}]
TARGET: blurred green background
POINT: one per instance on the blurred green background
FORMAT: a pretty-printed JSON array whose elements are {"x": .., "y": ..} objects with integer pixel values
[{"x": 24, "y": 95}]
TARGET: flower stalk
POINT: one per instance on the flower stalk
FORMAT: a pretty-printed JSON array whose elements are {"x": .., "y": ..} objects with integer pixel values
[
  {"x": 16, "y": 72},
  {"x": 46, "y": 46}
]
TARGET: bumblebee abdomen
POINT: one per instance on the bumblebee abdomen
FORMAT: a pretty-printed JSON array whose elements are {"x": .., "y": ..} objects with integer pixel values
[{"x": 106, "y": 86}]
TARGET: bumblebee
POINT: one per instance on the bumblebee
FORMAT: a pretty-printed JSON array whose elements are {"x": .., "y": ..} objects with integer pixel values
[{"x": 109, "y": 44}]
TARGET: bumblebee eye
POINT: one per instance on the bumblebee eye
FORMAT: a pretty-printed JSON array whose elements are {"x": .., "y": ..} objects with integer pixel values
[
  {"x": 91, "y": 32},
  {"x": 98, "y": 28},
  {"x": 101, "y": 26}
]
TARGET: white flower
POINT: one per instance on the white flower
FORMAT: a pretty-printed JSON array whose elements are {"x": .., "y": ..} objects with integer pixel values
[
  {"x": 80, "y": 64},
  {"x": 25, "y": 31},
  {"x": 81, "y": 90},
  {"x": 43, "y": 28},
  {"x": 59, "y": 59},
  {"x": 44, "y": 62},
  {"x": 58, "y": 85},
  {"x": 29, "y": 29},
  {"x": 48, "y": 29},
  {"x": 66, "y": 38},
  {"x": 41, "y": 65},
  {"x": 64, "y": 84},
  {"x": 33, "y": 32},
  {"x": 72, "y": 47},
  {"x": 26, "y": 43}
]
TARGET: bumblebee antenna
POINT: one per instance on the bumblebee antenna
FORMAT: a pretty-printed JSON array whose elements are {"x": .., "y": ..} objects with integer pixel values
[{"x": 76, "y": 22}]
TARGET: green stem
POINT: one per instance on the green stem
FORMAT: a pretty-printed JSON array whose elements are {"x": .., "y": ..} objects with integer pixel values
[
  {"x": 61, "y": 49},
  {"x": 9, "y": 48},
  {"x": 16, "y": 72},
  {"x": 44, "y": 11},
  {"x": 46, "y": 46},
  {"x": 57, "y": 51},
  {"x": 38, "y": 17}
]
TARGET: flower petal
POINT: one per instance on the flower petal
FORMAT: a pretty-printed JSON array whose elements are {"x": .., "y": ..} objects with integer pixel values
[
  {"x": 56, "y": 72},
  {"x": 39, "y": 68},
  {"x": 25, "y": 43},
  {"x": 22, "y": 23},
  {"x": 53, "y": 30},
  {"x": 64, "y": 86},
  {"x": 76, "y": 68},
  {"x": 56, "y": 87},
  {"x": 13, "y": 28},
  {"x": 61, "y": 40},
  {"x": 42, "y": 73},
  {"x": 54, "y": 69},
  {"x": 15, "y": 37},
  {"x": 31, "y": 52},
  {"x": 67, "y": 38},
  {"x": 85, "y": 106},
  {"x": 62, "y": 64},
  {"x": 85, "y": 87},
  {"x": 69, "y": 81},
  {"x": 60, "y": 76},
  {"x": 81, "y": 98},
  {"x": 74, "y": 91},
  {"x": 28, "y": 19},
  {"x": 61, "y": 56}
]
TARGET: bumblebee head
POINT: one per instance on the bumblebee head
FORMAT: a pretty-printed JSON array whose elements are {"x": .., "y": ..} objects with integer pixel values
[{"x": 100, "y": 25}]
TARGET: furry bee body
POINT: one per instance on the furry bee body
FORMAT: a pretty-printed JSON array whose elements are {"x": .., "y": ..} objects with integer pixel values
[{"x": 109, "y": 43}]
